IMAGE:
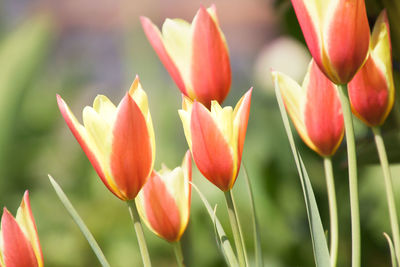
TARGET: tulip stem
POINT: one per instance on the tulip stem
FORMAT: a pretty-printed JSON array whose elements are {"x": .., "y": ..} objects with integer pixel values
[
  {"x": 178, "y": 253},
  {"x": 139, "y": 232},
  {"x": 353, "y": 184},
  {"x": 235, "y": 228},
  {"x": 334, "y": 235},
  {"x": 380, "y": 145}
]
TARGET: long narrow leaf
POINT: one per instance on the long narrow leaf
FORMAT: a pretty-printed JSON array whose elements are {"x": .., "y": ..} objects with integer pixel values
[
  {"x": 256, "y": 228},
  {"x": 320, "y": 246},
  {"x": 392, "y": 252},
  {"x": 78, "y": 220},
  {"x": 225, "y": 244}
]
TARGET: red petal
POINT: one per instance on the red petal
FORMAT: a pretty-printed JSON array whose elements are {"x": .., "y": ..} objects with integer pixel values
[
  {"x": 155, "y": 39},
  {"x": 323, "y": 113},
  {"x": 309, "y": 30},
  {"x": 368, "y": 93},
  {"x": 17, "y": 250},
  {"x": 161, "y": 209},
  {"x": 348, "y": 39},
  {"x": 131, "y": 156},
  {"x": 244, "y": 118},
  {"x": 66, "y": 113},
  {"x": 211, "y": 152},
  {"x": 211, "y": 71}
]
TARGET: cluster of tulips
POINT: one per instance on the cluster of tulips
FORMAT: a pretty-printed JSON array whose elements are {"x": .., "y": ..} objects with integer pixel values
[{"x": 351, "y": 70}]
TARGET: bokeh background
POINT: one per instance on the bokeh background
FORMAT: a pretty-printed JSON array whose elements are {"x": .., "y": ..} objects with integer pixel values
[{"x": 81, "y": 48}]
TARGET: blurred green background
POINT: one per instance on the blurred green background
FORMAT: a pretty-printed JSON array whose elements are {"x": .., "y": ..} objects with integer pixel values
[{"x": 81, "y": 48}]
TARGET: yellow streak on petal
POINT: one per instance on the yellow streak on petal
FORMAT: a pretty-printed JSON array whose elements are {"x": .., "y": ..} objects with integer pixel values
[{"x": 185, "y": 114}]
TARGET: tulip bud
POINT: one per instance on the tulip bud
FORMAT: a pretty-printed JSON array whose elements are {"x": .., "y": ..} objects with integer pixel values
[
  {"x": 371, "y": 92},
  {"x": 164, "y": 202},
  {"x": 19, "y": 241},
  {"x": 216, "y": 137},
  {"x": 337, "y": 35},
  {"x": 314, "y": 109},
  {"x": 195, "y": 55},
  {"x": 119, "y": 141}
]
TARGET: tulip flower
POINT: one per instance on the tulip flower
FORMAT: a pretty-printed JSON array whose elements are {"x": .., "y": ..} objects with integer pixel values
[
  {"x": 195, "y": 55},
  {"x": 119, "y": 141},
  {"x": 216, "y": 137},
  {"x": 19, "y": 241},
  {"x": 371, "y": 92},
  {"x": 164, "y": 201},
  {"x": 314, "y": 109},
  {"x": 337, "y": 35}
]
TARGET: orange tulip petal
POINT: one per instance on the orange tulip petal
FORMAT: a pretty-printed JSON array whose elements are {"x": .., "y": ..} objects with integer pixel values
[
  {"x": 17, "y": 250},
  {"x": 211, "y": 152},
  {"x": 323, "y": 114},
  {"x": 131, "y": 156},
  {"x": 348, "y": 39},
  {"x": 244, "y": 112},
  {"x": 155, "y": 39},
  {"x": 210, "y": 67},
  {"x": 73, "y": 126},
  {"x": 161, "y": 210},
  {"x": 369, "y": 94}
]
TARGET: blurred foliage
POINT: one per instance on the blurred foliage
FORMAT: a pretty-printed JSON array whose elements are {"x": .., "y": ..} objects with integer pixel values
[{"x": 38, "y": 60}]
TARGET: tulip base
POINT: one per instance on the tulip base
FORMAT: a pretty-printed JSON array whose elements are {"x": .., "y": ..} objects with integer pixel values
[
  {"x": 353, "y": 184},
  {"x": 389, "y": 188},
  {"x": 139, "y": 232}
]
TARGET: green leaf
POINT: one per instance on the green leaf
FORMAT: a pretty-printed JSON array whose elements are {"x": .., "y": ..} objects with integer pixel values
[
  {"x": 224, "y": 242},
  {"x": 78, "y": 220},
  {"x": 256, "y": 228},
  {"x": 392, "y": 252},
  {"x": 320, "y": 246}
]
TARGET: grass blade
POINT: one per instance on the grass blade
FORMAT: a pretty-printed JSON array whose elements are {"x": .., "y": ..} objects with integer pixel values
[
  {"x": 320, "y": 246},
  {"x": 392, "y": 251},
  {"x": 78, "y": 220}
]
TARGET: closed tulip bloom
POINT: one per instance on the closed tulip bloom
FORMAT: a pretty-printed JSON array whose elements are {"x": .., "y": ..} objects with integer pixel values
[
  {"x": 119, "y": 141},
  {"x": 195, "y": 55},
  {"x": 216, "y": 137},
  {"x": 19, "y": 241},
  {"x": 337, "y": 35},
  {"x": 164, "y": 202},
  {"x": 371, "y": 92},
  {"x": 314, "y": 109}
]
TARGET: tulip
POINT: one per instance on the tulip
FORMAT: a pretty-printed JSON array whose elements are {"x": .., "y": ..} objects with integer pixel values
[
  {"x": 337, "y": 35},
  {"x": 314, "y": 109},
  {"x": 119, "y": 141},
  {"x": 164, "y": 201},
  {"x": 371, "y": 92},
  {"x": 195, "y": 55},
  {"x": 216, "y": 137},
  {"x": 19, "y": 241}
]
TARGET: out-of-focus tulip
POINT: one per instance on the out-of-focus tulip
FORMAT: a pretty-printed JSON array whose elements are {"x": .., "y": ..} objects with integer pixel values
[
  {"x": 195, "y": 55},
  {"x": 337, "y": 35},
  {"x": 314, "y": 109},
  {"x": 19, "y": 241},
  {"x": 164, "y": 201},
  {"x": 216, "y": 137},
  {"x": 371, "y": 92},
  {"x": 119, "y": 141}
]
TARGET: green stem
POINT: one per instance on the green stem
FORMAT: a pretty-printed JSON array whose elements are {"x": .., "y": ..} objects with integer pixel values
[
  {"x": 235, "y": 228},
  {"x": 389, "y": 188},
  {"x": 240, "y": 230},
  {"x": 139, "y": 233},
  {"x": 353, "y": 185},
  {"x": 330, "y": 184},
  {"x": 178, "y": 253}
]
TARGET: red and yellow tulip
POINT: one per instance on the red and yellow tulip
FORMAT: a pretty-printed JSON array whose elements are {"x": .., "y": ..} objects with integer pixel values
[
  {"x": 314, "y": 109},
  {"x": 216, "y": 137},
  {"x": 371, "y": 92},
  {"x": 337, "y": 35},
  {"x": 19, "y": 241},
  {"x": 119, "y": 141},
  {"x": 195, "y": 55},
  {"x": 164, "y": 201}
]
